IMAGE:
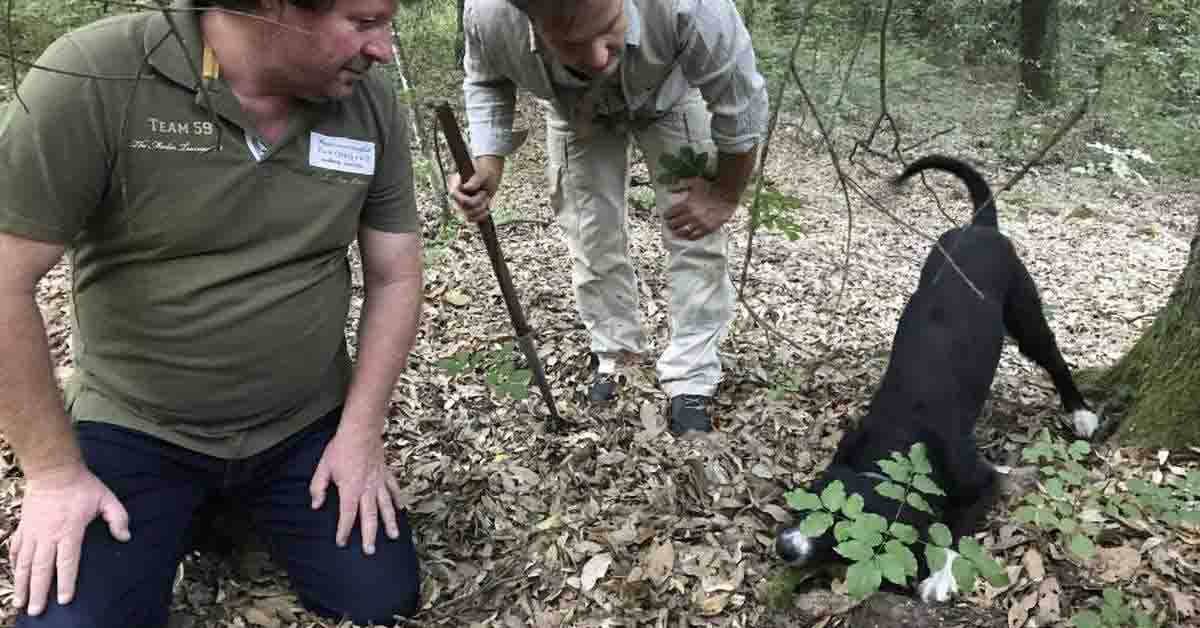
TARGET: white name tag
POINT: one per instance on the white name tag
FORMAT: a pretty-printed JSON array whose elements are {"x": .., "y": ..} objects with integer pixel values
[{"x": 341, "y": 153}]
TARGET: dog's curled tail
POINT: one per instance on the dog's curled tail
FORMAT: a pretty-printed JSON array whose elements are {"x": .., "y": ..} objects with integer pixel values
[{"x": 981, "y": 192}]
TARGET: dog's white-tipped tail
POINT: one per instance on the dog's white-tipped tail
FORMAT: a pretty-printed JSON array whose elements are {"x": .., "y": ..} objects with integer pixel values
[{"x": 1085, "y": 422}]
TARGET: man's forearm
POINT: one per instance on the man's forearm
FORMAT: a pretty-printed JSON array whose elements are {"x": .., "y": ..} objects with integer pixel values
[
  {"x": 386, "y": 333},
  {"x": 733, "y": 174},
  {"x": 31, "y": 411}
]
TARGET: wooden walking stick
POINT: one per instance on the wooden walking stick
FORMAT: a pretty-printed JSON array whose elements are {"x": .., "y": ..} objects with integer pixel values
[{"x": 487, "y": 228}]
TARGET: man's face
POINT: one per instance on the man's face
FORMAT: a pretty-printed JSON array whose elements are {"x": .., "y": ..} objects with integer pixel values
[
  {"x": 591, "y": 41},
  {"x": 322, "y": 54}
]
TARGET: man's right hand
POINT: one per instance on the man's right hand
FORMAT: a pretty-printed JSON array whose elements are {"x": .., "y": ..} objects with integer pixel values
[
  {"x": 46, "y": 547},
  {"x": 474, "y": 197}
]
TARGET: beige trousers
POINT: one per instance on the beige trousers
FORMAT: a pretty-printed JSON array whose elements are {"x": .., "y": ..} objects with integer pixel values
[{"x": 589, "y": 182}]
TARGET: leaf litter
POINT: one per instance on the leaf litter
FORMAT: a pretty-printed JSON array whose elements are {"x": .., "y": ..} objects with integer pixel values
[{"x": 617, "y": 523}]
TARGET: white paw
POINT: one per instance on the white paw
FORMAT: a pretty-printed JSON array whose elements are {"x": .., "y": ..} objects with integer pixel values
[
  {"x": 941, "y": 585},
  {"x": 1085, "y": 422}
]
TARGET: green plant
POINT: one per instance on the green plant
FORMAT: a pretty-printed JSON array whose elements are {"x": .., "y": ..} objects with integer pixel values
[
  {"x": 497, "y": 366},
  {"x": 880, "y": 549},
  {"x": 1114, "y": 613},
  {"x": 787, "y": 383},
  {"x": 1073, "y": 511},
  {"x": 688, "y": 164},
  {"x": 774, "y": 211},
  {"x": 1058, "y": 509},
  {"x": 1173, "y": 503}
]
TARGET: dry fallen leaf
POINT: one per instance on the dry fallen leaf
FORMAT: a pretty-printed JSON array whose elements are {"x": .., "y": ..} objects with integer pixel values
[
  {"x": 456, "y": 298},
  {"x": 594, "y": 570},
  {"x": 659, "y": 562},
  {"x": 1049, "y": 606},
  {"x": 259, "y": 617},
  {"x": 1118, "y": 564},
  {"x": 1032, "y": 561},
  {"x": 1018, "y": 613},
  {"x": 1184, "y": 604},
  {"x": 714, "y": 604}
]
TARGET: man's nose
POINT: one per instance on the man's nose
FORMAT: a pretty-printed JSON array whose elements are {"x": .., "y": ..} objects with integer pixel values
[
  {"x": 379, "y": 47},
  {"x": 598, "y": 56}
]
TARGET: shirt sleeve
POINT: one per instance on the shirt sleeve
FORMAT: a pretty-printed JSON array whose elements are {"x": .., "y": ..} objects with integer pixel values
[
  {"x": 490, "y": 96},
  {"x": 55, "y": 153},
  {"x": 718, "y": 58},
  {"x": 391, "y": 201}
]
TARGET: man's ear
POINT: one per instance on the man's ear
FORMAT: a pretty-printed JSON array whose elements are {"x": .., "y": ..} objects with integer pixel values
[{"x": 272, "y": 9}]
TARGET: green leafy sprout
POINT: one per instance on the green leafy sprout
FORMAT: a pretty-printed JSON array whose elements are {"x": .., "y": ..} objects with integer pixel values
[{"x": 879, "y": 549}]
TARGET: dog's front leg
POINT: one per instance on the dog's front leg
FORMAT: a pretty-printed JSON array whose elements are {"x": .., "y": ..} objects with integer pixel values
[{"x": 962, "y": 516}]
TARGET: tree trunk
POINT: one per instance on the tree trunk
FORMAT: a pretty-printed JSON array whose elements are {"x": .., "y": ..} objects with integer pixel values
[
  {"x": 1160, "y": 375},
  {"x": 1039, "y": 35}
]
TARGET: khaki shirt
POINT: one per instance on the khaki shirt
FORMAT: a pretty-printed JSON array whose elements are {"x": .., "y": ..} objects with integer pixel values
[
  {"x": 210, "y": 288},
  {"x": 673, "y": 49}
]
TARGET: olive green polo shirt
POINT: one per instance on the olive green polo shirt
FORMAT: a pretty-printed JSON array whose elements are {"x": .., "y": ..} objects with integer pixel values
[{"x": 210, "y": 288}]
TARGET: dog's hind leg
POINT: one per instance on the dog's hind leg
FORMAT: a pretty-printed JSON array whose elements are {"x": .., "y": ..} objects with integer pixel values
[{"x": 1026, "y": 322}]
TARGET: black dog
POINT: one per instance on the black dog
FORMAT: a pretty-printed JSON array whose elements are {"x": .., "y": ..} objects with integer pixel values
[{"x": 944, "y": 357}]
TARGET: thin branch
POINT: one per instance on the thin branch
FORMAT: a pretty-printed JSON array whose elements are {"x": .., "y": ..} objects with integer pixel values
[
  {"x": 12, "y": 53},
  {"x": 883, "y": 105},
  {"x": 837, "y": 165},
  {"x": 437, "y": 184},
  {"x": 29, "y": 65},
  {"x": 936, "y": 243},
  {"x": 859, "y": 40},
  {"x": 920, "y": 143},
  {"x": 758, "y": 185},
  {"x": 168, "y": 14},
  {"x": 1062, "y": 131}
]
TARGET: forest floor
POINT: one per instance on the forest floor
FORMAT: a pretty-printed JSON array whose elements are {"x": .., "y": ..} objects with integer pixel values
[{"x": 617, "y": 523}]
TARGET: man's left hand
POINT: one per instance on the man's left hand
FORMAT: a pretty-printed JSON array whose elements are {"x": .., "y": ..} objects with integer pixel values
[
  {"x": 699, "y": 210},
  {"x": 354, "y": 461}
]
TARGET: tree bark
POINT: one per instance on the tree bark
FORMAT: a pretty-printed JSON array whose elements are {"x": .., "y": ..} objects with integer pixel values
[
  {"x": 1039, "y": 35},
  {"x": 1159, "y": 377}
]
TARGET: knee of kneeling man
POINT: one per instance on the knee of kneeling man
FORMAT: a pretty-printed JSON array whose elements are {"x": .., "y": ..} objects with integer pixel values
[{"x": 380, "y": 604}]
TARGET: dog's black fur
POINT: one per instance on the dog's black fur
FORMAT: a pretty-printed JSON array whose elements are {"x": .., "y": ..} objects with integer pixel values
[{"x": 944, "y": 357}]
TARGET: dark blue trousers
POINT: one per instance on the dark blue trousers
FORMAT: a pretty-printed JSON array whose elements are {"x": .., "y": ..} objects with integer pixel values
[{"x": 163, "y": 487}]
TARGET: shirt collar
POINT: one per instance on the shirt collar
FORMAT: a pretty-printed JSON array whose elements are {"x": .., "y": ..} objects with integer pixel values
[{"x": 179, "y": 63}]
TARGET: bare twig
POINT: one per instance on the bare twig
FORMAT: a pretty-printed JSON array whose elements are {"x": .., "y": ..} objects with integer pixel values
[
  {"x": 883, "y": 105},
  {"x": 12, "y": 53},
  {"x": 1062, "y": 131},
  {"x": 437, "y": 183},
  {"x": 837, "y": 165},
  {"x": 205, "y": 94},
  {"x": 920, "y": 143},
  {"x": 545, "y": 224},
  {"x": 859, "y": 39},
  {"x": 758, "y": 185},
  {"x": 30, "y": 65}
]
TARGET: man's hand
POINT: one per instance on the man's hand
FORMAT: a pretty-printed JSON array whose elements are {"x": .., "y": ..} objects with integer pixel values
[
  {"x": 698, "y": 209},
  {"x": 474, "y": 197},
  {"x": 55, "y": 513},
  {"x": 354, "y": 461}
]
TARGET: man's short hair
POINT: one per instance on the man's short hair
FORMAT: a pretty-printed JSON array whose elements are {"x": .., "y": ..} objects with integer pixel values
[
  {"x": 249, "y": 6},
  {"x": 542, "y": 10}
]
